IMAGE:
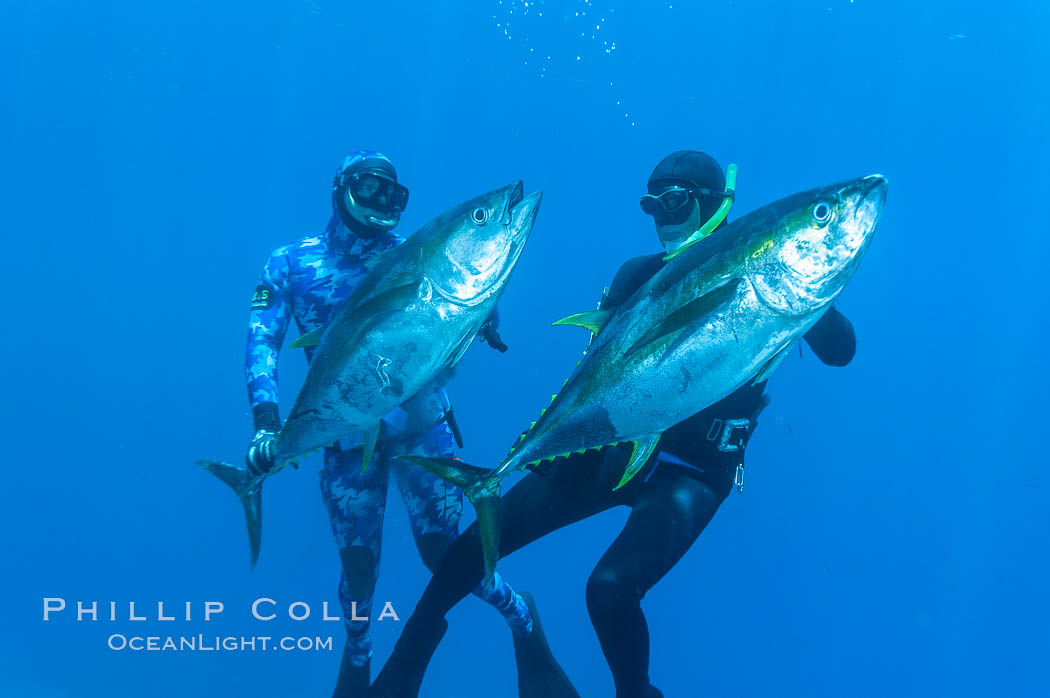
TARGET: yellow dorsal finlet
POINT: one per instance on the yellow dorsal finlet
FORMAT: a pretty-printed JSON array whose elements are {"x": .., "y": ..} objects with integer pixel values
[{"x": 592, "y": 320}]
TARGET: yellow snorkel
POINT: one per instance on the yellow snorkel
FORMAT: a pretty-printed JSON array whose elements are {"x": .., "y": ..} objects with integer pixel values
[{"x": 715, "y": 220}]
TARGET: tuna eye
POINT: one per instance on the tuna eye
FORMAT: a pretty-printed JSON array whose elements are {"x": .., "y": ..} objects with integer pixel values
[
  {"x": 822, "y": 213},
  {"x": 480, "y": 216}
]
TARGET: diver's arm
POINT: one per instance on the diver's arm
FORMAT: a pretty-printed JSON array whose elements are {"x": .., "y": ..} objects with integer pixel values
[
  {"x": 832, "y": 339},
  {"x": 271, "y": 310},
  {"x": 630, "y": 277}
]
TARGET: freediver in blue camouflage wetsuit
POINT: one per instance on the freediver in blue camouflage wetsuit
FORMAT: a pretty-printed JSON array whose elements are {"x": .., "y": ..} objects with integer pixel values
[{"x": 307, "y": 280}]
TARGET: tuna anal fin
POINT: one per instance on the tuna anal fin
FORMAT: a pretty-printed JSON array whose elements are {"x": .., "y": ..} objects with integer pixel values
[
  {"x": 643, "y": 448},
  {"x": 481, "y": 490},
  {"x": 592, "y": 320},
  {"x": 687, "y": 314},
  {"x": 249, "y": 491},
  {"x": 309, "y": 339},
  {"x": 772, "y": 364},
  {"x": 371, "y": 439}
]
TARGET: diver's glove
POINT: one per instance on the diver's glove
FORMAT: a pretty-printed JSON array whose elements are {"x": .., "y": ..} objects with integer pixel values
[
  {"x": 261, "y": 452},
  {"x": 263, "y": 447},
  {"x": 489, "y": 334}
]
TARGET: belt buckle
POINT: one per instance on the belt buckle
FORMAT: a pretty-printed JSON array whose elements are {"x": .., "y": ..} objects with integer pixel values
[{"x": 731, "y": 428}]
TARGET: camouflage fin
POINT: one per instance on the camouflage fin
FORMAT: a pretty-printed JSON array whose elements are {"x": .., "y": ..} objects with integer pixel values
[
  {"x": 249, "y": 490},
  {"x": 592, "y": 320},
  {"x": 483, "y": 493},
  {"x": 309, "y": 339},
  {"x": 686, "y": 315},
  {"x": 643, "y": 448},
  {"x": 772, "y": 364},
  {"x": 371, "y": 439}
]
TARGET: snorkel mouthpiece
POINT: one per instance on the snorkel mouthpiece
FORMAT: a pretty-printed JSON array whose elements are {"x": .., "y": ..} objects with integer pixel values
[
  {"x": 715, "y": 220},
  {"x": 382, "y": 222}
]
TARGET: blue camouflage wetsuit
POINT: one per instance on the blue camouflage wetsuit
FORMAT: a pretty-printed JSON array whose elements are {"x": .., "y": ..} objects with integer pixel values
[{"x": 308, "y": 280}]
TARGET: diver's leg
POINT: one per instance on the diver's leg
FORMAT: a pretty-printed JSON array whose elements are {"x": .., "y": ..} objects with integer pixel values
[
  {"x": 434, "y": 509},
  {"x": 534, "y": 507},
  {"x": 670, "y": 511},
  {"x": 434, "y": 506},
  {"x": 355, "y": 501}
]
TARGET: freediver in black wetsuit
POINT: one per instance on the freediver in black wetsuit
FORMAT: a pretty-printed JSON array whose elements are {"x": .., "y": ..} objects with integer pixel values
[{"x": 672, "y": 499}]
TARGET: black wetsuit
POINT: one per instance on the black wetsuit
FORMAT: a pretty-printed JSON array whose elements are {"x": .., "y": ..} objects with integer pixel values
[{"x": 672, "y": 500}]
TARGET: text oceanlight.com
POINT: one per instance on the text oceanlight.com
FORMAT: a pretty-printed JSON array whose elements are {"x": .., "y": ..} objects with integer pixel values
[{"x": 202, "y": 643}]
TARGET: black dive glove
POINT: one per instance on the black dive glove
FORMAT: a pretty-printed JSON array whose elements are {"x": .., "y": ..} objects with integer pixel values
[
  {"x": 263, "y": 447},
  {"x": 489, "y": 334}
]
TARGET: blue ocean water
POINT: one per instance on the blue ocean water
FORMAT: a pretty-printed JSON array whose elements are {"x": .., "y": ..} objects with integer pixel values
[{"x": 892, "y": 536}]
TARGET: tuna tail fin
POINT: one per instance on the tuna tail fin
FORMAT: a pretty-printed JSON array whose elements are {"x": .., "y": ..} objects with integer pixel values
[
  {"x": 249, "y": 490},
  {"x": 482, "y": 491}
]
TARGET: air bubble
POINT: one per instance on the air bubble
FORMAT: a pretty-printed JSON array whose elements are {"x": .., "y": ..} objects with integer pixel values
[{"x": 516, "y": 17}]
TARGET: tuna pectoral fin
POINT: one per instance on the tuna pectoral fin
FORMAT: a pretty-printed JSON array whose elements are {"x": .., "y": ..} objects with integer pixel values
[
  {"x": 772, "y": 364},
  {"x": 249, "y": 490},
  {"x": 592, "y": 320},
  {"x": 483, "y": 493},
  {"x": 310, "y": 339},
  {"x": 368, "y": 314},
  {"x": 643, "y": 448},
  {"x": 692, "y": 311}
]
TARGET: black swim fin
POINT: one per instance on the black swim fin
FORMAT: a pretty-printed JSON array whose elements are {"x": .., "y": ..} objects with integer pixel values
[
  {"x": 539, "y": 674},
  {"x": 402, "y": 675}
]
